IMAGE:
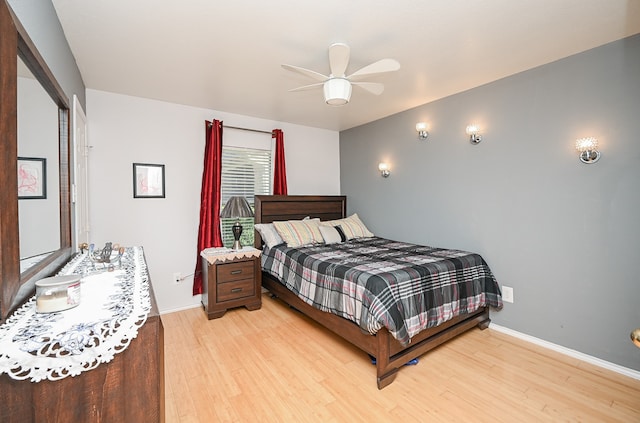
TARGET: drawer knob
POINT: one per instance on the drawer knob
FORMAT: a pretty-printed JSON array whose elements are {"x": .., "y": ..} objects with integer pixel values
[
  {"x": 236, "y": 272},
  {"x": 234, "y": 290}
]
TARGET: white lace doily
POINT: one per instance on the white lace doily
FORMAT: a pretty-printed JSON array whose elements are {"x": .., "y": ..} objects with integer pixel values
[
  {"x": 221, "y": 254},
  {"x": 113, "y": 305}
]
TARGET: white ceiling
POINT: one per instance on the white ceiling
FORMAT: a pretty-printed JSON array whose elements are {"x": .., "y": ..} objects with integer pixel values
[{"x": 226, "y": 55}]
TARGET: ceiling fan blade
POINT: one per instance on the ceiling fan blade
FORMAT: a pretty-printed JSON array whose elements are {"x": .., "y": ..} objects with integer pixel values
[
  {"x": 338, "y": 59},
  {"x": 373, "y": 87},
  {"x": 381, "y": 66},
  {"x": 307, "y": 87},
  {"x": 306, "y": 72}
]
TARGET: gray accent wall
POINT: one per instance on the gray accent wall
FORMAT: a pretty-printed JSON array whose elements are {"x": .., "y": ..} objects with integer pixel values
[
  {"x": 563, "y": 234},
  {"x": 41, "y": 21}
]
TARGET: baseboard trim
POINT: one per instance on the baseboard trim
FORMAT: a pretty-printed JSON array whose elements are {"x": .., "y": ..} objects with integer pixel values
[
  {"x": 567, "y": 351},
  {"x": 187, "y": 307}
]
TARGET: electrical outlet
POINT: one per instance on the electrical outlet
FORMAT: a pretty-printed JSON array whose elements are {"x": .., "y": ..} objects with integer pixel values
[
  {"x": 177, "y": 277},
  {"x": 507, "y": 294}
]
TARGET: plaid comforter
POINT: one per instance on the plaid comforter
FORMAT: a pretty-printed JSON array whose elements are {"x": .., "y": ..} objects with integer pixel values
[{"x": 376, "y": 282}]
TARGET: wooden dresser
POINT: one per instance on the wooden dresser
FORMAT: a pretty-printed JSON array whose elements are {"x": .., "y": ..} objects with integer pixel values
[{"x": 130, "y": 388}]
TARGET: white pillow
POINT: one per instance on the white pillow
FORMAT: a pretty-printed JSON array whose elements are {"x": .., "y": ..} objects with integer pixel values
[
  {"x": 352, "y": 227},
  {"x": 269, "y": 235},
  {"x": 330, "y": 234}
]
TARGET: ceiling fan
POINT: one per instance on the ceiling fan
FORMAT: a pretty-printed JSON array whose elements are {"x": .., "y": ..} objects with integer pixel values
[{"x": 337, "y": 86}]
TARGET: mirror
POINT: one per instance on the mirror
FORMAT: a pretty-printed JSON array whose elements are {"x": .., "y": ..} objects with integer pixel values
[
  {"x": 38, "y": 171},
  {"x": 16, "y": 285}
]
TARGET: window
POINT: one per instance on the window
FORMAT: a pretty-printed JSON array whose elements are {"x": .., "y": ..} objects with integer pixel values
[{"x": 245, "y": 172}]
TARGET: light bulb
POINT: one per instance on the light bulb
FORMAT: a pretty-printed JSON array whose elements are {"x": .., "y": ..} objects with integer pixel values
[{"x": 586, "y": 144}]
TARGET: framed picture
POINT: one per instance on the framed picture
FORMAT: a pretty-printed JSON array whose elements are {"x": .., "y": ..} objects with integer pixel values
[
  {"x": 148, "y": 180},
  {"x": 32, "y": 178}
]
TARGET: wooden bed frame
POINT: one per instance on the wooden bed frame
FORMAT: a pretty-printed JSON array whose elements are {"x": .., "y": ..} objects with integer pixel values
[{"x": 389, "y": 353}]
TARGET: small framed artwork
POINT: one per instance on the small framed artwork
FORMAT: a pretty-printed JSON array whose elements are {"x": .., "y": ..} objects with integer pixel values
[
  {"x": 32, "y": 178},
  {"x": 148, "y": 180}
]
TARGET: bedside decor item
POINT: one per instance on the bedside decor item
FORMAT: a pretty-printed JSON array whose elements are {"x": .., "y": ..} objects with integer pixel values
[
  {"x": 32, "y": 178},
  {"x": 148, "y": 180},
  {"x": 588, "y": 149},
  {"x": 236, "y": 208}
]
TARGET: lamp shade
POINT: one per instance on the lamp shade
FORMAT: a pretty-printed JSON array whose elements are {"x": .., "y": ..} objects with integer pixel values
[
  {"x": 472, "y": 129},
  {"x": 586, "y": 144},
  {"x": 337, "y": 91},
  {"x": 236, "y": 207}
]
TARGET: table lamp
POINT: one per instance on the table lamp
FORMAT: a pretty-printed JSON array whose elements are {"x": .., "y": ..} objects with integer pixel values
[{"x": 236, "y": 208}]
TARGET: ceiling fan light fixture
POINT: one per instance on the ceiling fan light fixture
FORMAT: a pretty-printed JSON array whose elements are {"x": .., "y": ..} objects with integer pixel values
[
  {"x": 337, "y": 85},
  {"x": 337, "y": 91}
]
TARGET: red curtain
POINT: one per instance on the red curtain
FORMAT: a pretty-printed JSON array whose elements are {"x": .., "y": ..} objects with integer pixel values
[
  {"x": 280, "y": 171},
  {"x": 209, "y": 234}
]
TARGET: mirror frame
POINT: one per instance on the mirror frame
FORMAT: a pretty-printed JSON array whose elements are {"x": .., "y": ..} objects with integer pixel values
[{"x": 15, "y": 287}]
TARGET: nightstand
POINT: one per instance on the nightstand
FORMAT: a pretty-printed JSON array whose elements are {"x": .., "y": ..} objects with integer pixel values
[{"x": 230, "y": 278}]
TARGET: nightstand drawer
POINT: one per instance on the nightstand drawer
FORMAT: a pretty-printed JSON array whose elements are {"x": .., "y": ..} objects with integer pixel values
[
  {"x": 230, "y": 272},
  {"x": 236, "y": 290}
]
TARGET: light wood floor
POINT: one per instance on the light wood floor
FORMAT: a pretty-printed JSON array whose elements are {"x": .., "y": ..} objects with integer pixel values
[{"x": 275, "y": 365}]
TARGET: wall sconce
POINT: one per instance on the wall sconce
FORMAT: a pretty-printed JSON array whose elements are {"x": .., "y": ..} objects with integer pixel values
[
  {"x": 588, "y": 148},
  {"x": 635, "y": 337},
  {"x": 421, "y": 127},
  {"x": 384, "y": 170},
  {"x": 474, "y": 134}
]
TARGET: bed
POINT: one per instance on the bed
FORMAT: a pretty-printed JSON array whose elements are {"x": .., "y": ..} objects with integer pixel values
[{"x": 390, "y": 352}]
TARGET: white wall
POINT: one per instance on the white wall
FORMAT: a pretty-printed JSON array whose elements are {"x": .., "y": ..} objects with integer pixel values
[{"x": 124, "y": 130}]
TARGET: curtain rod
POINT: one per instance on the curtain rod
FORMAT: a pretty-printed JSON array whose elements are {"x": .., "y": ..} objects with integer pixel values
[{"x": 246, "y": 129}]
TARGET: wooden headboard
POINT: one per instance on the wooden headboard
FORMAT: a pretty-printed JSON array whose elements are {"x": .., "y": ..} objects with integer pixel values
[{"x": 269, "y": 208}]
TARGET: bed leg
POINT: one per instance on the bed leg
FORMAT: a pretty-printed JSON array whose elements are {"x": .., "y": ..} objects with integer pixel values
[
  {"x": 385, "y": 374},
  {"x": 485, "y": 323},
  {"x": 385, "y": 380}
]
